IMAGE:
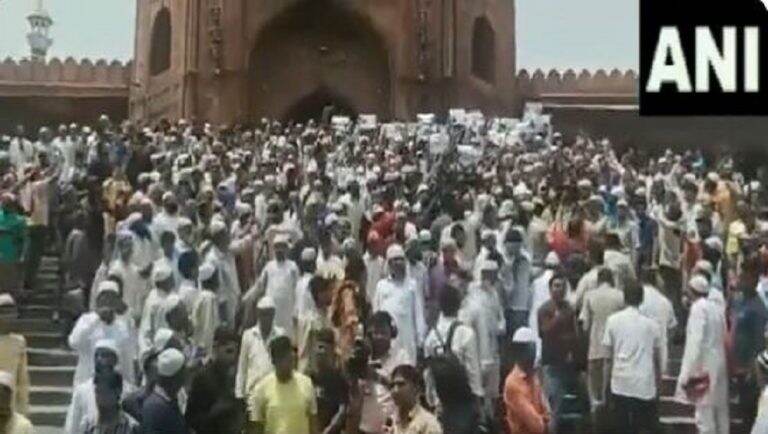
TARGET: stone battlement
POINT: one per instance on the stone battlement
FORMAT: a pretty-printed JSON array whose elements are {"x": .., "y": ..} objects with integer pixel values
[
  {"x": 569, "y": 82},
  {"x": 70, "y": 71}
]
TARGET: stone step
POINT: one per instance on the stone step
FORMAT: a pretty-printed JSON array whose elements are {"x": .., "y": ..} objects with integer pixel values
[
  {"x": 48, "y": 415},
  {"x": 38, "y": 311},
  {"x": 51, "y": 375},
  {"x": 670, "y": 407},
  {"x": 687, "y": 425},
  {"x": 42, "y": 298},
  {"x": 26, "y": 326},
  {"x": 45, "y": 340},
  {"x": 51, "y": 357},
  {"x": 50, "y": 395}
]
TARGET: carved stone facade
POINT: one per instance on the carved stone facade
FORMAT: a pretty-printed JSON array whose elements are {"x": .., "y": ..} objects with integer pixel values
[{"x": 238, "y": 60}]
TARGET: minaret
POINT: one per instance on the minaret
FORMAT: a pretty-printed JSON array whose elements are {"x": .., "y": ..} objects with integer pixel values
[{"x": 39, "y": 41}]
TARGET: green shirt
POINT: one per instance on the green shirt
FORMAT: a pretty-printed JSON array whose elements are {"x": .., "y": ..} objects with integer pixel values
[{"x": 12, "y": 229}]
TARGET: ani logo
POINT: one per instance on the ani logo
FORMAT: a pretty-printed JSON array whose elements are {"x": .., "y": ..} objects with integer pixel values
[{"x": 698, "y": 58}]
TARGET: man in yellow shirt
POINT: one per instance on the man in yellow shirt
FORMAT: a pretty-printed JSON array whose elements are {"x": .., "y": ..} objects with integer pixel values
[
  {"x": 13, "y": 360},
  {"x": 11, "y": 422},
  {"x": 284, "y": 401}
]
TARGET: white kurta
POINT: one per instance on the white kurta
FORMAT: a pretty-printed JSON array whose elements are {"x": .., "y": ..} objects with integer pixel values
[
  {"x": 658, "y": 308},
  {"x": 704, "y": 344},
  {"x": 482, "y": 310},
  {"x": 540, "y": 288},
  {"x": 278, "y": 280},
  {"x": 88, "y": 330},
  {"x": 401, "y": 301},
  {"x": 229, "y": 286},
  {"x": 135, "y": 288},
  {"x": 255, "y": 362},
  {"x": 304, "y": 300},
  {"x": 203, "y": 314},
  {"x": 83, "y": 406},
  {"x": 152, "y": 319}
]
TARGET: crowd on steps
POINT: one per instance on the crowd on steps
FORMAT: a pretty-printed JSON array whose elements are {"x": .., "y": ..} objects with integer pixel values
[{"x": 464, "y": 276}]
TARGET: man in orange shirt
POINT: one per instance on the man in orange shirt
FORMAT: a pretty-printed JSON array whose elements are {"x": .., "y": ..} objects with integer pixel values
[{"x": 526, "y": 408}]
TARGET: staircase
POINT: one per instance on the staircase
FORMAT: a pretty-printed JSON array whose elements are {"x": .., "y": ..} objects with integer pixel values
[
  {"x": 677, "y": 417},
  {"x": 51, "y": 363}
]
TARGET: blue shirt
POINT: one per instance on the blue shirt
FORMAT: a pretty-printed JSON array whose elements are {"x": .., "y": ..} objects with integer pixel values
[
  {"x": 750, "y": 317},
  {"x": 161, "y": 415}
]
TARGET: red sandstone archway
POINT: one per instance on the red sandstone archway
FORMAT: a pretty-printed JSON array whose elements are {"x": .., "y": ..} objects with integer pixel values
[{"x": 316, "y": 52}]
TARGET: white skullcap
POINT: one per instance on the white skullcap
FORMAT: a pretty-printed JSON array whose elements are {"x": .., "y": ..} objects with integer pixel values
[
  {"x": 714, "y": 243},
  {"x": 107, "y": 344},
  {"x": 170, "y": 362},
  {"x": 487, "y": 233},
  {"x": 206, "y": 271},
  {"x": 7, "y": 380},
  {"x": 266, "y": 302},
  {"x": 552, "y": 259},
  {"x": 6, "y": 300},
  {"x": 699, "y": 284},
  {"x": 184, "y": 222},
  {"x": 308, "y": 254},
  {"x": 217, "y": 226},
  {"x": 489, "y": 266},
  {"x": 422, "y": 188},
  {"x": 280, "y": 239},
  {"x": 520, "y": 190},
  {"x": 425, "y": 236},
  {"x": 161, "y": 272},
  {"x": 243, "y": 209},
  {"x": 584, "y": 183},
  {"x": 447, "y": 243},
  {"x": 395, "y": 251},
  {"x": 704, "y": 265},
  {"x": 622, "y": 202},
  {"x": 524, "y": 335},
  {"x": 108, "y": 286},
  {"x": 161, "y": 339},
  {"x": 713, "y": 177},
  {"x": 331, "y": 219}
]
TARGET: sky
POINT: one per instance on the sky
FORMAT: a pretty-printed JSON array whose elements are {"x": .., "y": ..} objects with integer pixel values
[{"x": 558, "y": 34}]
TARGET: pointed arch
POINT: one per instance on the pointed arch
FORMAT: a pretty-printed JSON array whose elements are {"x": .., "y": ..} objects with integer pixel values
[
  {"x": 160, "y": 48},
  {"x": 483, "y": 50}
]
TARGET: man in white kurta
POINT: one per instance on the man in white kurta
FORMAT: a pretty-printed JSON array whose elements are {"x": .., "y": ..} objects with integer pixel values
[
  {"x": 658, "y": 308},
  {"x": 397, "y": 296},
  {"x": 222, "y": 257},
  {"x": 540, "y": 289},
  {"x": 255, "y": 363},
  {"x": 704, "y": 355},
  {"x": 199, "y": 302},
  {"x": 97, "y": 325},
  {"x": 135, "y": 289},
  {"x": 483, "y": 312},
  {"x": 278, "y": 280},
  {"x": 153, "y": 315},
  {"x": 83, "y": 405}
]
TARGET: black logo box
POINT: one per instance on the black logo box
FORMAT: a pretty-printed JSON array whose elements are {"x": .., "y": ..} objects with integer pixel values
[{"x": 685, "y": 16}]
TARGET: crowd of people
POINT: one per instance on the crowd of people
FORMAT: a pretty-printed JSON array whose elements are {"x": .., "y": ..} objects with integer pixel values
[{"x": 470, "y": 276}]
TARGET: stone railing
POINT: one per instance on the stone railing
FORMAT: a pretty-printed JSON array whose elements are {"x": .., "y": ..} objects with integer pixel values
[
  {"x": 540, "y": 84},
  {"x": 70, "y": 71}
]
